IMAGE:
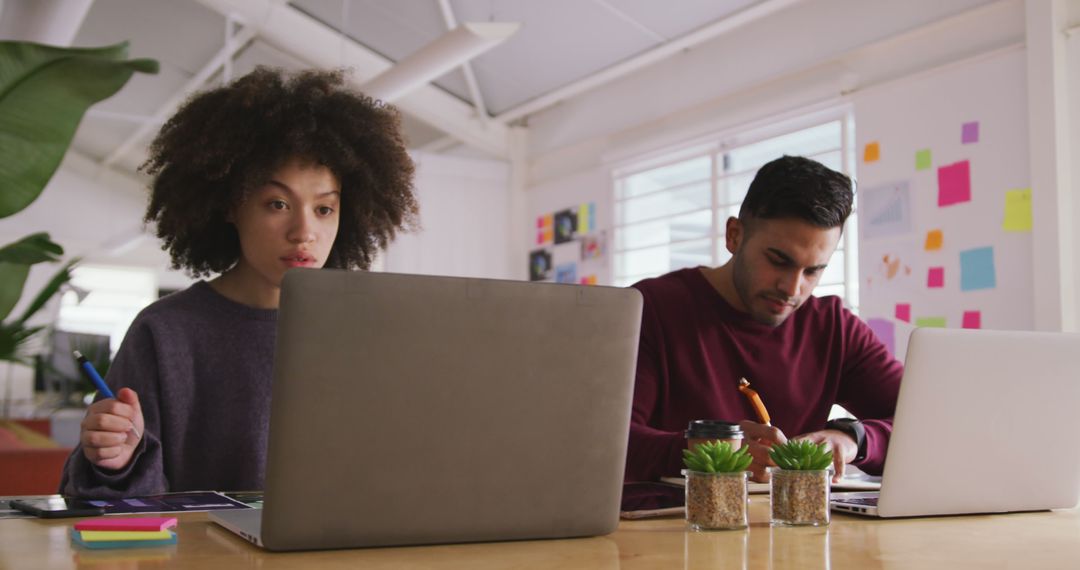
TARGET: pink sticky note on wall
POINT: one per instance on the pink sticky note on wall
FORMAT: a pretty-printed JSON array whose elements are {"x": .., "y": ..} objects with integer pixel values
[
  {"x": 935, "y": 278},
  {"x": 954, "y": 183},
  {"x": 972, "y": 320},
  {"x": 903, "y": 312}
]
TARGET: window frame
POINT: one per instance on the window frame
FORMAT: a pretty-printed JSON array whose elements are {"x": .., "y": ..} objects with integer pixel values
[{"x": 717, "y": 146}]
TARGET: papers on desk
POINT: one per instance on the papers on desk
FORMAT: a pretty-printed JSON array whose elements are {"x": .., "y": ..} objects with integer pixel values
[
  {"x": 854, "y": 479},
  {"x": 185, "y": 502}
]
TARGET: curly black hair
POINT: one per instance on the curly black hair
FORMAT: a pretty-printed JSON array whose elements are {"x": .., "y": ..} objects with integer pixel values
[{"x": 225, "y": 142}]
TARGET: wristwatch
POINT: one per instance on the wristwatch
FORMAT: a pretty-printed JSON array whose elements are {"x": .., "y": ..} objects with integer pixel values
[{"x": 855, "y": 429}]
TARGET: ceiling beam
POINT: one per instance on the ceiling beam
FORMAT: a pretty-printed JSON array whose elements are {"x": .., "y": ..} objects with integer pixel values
[
  {"x": 241, "y": 39},
  {"x": 466, "y": 68},
  {"x": 53, "y": 22},
  {"x": 312, "y": 41},
  {"x": 661, "y": 52}
]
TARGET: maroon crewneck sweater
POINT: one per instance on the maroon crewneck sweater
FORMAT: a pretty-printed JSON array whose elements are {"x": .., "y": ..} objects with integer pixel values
[{"x": 695, "y": 347}]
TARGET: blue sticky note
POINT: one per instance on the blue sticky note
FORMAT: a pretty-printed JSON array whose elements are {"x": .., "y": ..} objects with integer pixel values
[{"x": 977, "y": 269}]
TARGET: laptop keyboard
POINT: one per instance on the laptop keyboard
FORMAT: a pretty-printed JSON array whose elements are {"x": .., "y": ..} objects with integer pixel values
[{"x": 868, "y": 501}]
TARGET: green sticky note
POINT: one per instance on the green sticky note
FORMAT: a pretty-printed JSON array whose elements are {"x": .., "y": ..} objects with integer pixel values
[
  {"x": 1017, "y": 210},
  {"x": 938, "y": 322},
  {"x": 922, "y": 159}
]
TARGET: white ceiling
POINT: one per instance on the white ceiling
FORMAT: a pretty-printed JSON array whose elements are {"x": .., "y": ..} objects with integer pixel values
[
  {"x": 560, "y": 42},
  {"x": 538, "y": 70}
]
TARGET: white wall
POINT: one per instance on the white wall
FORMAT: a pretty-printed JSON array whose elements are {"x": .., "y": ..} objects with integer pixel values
[
  {"x": 927, "y": 112},
  {"x": 714, "y": 88},
  {"x": 1073, "y": 66},
  {"x": 464, "y": 208}
]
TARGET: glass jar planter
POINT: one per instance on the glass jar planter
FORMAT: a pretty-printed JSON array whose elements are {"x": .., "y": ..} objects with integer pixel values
[
  {"x": 799, "y": 498},
  {"x": 716, "y": 501}
]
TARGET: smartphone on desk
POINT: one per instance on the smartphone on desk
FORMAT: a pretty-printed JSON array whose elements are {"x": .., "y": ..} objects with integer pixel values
[{"x": 57, "y": 507}]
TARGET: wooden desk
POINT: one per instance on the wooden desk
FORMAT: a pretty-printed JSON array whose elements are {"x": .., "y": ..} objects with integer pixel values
[{"x": 1030, "y": 541}]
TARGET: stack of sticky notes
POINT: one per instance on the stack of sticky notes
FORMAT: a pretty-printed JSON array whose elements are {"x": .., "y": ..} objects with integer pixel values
[{"x": 113, "y": 532}]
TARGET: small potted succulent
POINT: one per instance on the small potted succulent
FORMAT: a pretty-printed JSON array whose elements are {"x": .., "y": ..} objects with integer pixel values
[
  {"x": 716, "y": 495},
  {"x": 799, "y": 489}
]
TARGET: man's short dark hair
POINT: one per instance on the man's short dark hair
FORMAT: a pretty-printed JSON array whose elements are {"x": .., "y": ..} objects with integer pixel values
[{"x": 797, "y": 187}]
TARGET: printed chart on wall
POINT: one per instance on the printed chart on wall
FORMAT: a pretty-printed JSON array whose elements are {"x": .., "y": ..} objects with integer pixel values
[
  {"x": 568, "y": 248},
  {"x": 944, "y": 201}
]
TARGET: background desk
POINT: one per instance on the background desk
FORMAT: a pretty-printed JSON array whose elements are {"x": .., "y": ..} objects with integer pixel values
[{"x": 1029, "y": 540}]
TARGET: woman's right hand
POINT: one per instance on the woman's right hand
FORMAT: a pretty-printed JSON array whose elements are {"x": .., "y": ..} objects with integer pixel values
[{"x": 107, "y": 435}]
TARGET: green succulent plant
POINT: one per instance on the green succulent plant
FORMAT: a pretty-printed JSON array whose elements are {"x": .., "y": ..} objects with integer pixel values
[
  {"x": 716, "y": 457},
  {"x": 802, "y": 456}
]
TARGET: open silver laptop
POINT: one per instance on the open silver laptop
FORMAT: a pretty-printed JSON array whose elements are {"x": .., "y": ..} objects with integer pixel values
[
  {"x": 986, "y": 421},
  {"x": 413, "y": 409}
]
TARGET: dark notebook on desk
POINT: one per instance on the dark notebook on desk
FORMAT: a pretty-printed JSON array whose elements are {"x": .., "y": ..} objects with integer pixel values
[{"x": 412, "y": 409}]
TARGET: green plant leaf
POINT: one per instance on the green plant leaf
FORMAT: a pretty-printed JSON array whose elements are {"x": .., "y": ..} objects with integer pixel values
[
  {"x": 12, "y": 279},
  {"x": 47, "y": 292},
  {"x": 34, "y": 248},
  {"x": 44, "y": 92},
  {"x": 12, "y": 339},
  {"x": 15, "y": 261}
]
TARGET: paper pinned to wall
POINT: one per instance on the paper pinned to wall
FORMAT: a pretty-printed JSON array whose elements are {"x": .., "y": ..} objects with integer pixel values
[
  {"x": 872, "y": 152},
  {"x": 886, "y": 210},
  {"x": 885, "y": 331},
  {"x": 903, "y": 312},
  {"x": 934, "y": 240},
  {"x": 977, "y": 269},
  {"x": 954, "y": 183},
  {"x": 922, "y": 159},
  {"x": 935, "y": 277},
  {"x": 539, "y": 265},
  {"x": 972, "y": 320},
  {"x": 1017, "y": 210},
  {"x": 934, "y": 322},
  {"x": 566, "y": 273}
]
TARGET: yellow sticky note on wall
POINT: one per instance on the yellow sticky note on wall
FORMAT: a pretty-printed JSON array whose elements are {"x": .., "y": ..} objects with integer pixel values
[
  {"x": 1017, "y": 210},
  {"x": 872, "y": 152},
  {"x": 934, "y": 239}
]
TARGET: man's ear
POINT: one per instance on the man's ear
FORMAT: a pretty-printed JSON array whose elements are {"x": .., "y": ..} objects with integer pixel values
[{"x": 734, "y": 234}]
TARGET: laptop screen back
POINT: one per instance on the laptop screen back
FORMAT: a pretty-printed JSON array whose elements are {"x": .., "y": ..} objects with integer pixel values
[
  {"x": 986, "y": 422},
  {"x": 413, "y": 409}
]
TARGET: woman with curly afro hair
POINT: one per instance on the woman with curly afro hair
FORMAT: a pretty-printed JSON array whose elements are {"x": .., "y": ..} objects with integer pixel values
[{"x": 267, "y": 173}]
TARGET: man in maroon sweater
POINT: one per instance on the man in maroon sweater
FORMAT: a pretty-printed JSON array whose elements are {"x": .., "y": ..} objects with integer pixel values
[{"x": 705, "y": 328}]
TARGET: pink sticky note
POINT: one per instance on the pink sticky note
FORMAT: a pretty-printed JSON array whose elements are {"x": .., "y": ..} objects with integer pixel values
[
  {"x": 972, "y": 320},
  {"x": 954, "y": 183},
  {"x": 936, "y": 277},
  {"x": 540, "y": 238},
  {"x": 137, "y": 524},
  {"x": 969, "y": 133},
  {"x": 540, "y": 222},
  {"x": 903, "y": 312}
]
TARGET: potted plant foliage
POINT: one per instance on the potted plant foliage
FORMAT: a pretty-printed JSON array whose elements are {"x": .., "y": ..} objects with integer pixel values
[
  {"x": 44, "y": 93},
  {"x": 716, "y": 495},
  {"x": 799, "y": 484}
]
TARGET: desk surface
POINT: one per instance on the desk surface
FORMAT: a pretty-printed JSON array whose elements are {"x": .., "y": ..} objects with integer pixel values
[{"x": 1023, "y": 540}]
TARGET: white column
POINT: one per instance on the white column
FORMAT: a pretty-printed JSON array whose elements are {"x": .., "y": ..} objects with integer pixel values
[
  {"x": 1051, "y": 189},
  {"x": 519, "y": 224}
]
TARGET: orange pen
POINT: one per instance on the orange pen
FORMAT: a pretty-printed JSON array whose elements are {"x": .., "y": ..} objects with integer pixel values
[{"x": 755, "y": 401}]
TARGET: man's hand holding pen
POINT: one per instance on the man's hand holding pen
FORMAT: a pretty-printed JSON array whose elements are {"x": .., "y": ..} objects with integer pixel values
[{"x": 760, "y": 438}]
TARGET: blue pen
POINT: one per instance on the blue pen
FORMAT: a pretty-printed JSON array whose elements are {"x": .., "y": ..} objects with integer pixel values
[{"x": 102, "y": 387}]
